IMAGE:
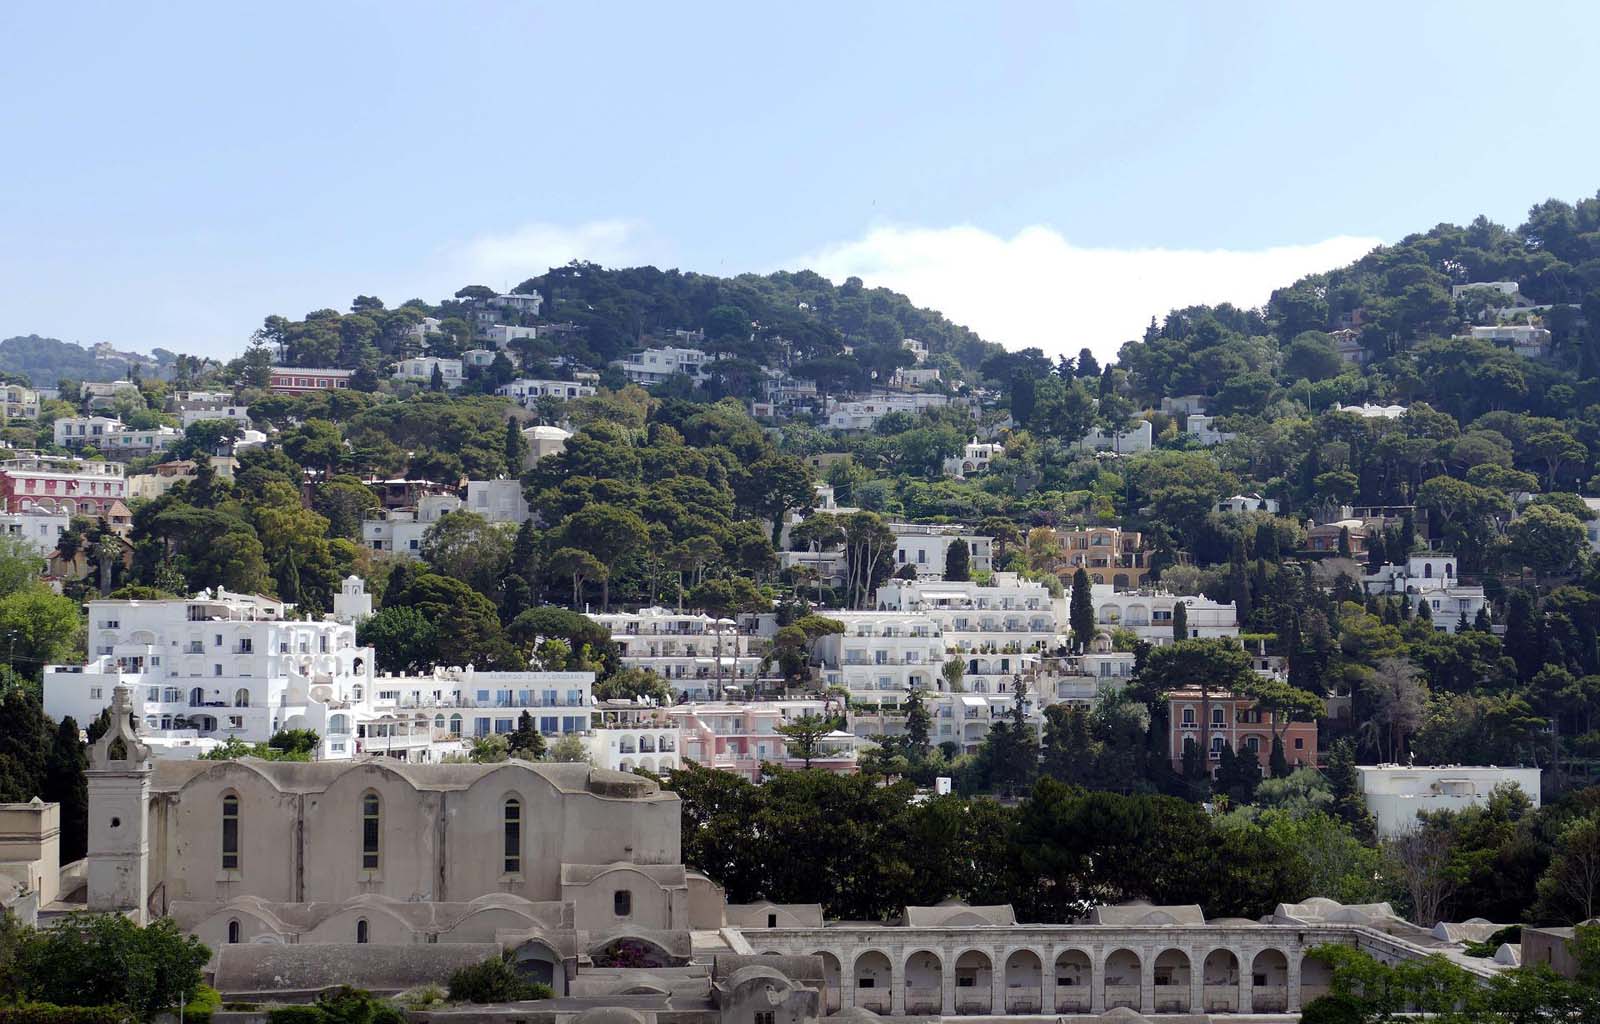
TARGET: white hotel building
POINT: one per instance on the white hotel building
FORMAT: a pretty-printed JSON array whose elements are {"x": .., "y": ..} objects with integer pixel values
[
  {"x": 1149, "y": 614},
  {"x": 238, "y": 666},
  {"x": 882, "y": 656},
  {"x": 700, "y": 657}
]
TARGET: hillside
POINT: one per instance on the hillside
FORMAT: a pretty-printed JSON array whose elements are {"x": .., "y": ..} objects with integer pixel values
[{"x": 44, "y": 361}]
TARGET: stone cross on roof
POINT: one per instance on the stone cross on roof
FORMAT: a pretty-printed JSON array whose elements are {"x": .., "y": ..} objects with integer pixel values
[{"x": 123, "y": 731}]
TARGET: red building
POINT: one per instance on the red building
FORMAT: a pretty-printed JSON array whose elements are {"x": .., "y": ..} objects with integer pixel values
[
  {"x": 55, "y": 484},
  {"x": 1236, "y": 722},
  {"x": 295, "y": 380}
]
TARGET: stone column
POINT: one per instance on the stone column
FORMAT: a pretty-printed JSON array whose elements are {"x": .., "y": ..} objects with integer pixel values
[
  {"x": 1246, "y": 980},
  {"x": 1047, "y": 981},
  {"x": 847, "y": 981},
  {"x": 1197, "y": 981},
  {"x": 1097, "y": 980},
  {"x": 1147, "y": 980},
  {"x": 897, "y": 985},
  {"x": 947, "y": 980},
  {"x": 1293, "y": 980},
  {"x": 997, "y": 981}
]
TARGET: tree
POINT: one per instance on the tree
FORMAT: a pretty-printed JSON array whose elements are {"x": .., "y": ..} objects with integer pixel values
[
  {"x": 957, "y": 561},
  {"x": 468, "y": 547},
  {"x": 41, "y": 628},
  {"x": 1210, "y": 665},
  {"x": 578, "y": 565},
  {"x": 774, "y": 486},
  {"x": 634, "y": 684},
  {"x": 107, "y": 960},
  {"x": 1180, "y": 621},
  {"x": 66, "y": 783},
  {"x": 1545, "y": 539},
  {"x": 1395, "y": 693},
  {"x": 803, "y": 736},
  {"x": 869, "y": 547},
  {"x": 569, "y": 749},
  {"x": 1570, "y": 889},
  {"x": 516, "y": 447},
  {"x": 607, "y": 532},
  {"x": 1419, "y": 860},
  {"x": 526, "y": 742},
  {"x": 1080, "y": 613},
  {"x": 403, "y": 639},
  {"x": 919, "y": 724}
]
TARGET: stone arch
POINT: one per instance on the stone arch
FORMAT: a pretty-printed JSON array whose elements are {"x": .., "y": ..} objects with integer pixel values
[
  {"x": 1316, "y": 978},
  {"x": 1172, "y": 975},
  {"x": 626, "y": 765},
  {"x": 634, "y": 950},
  {"x": 1074, "y": 981},
  {"x": 832, "y": 989},
  {"x": 1024, "y": 979},
  {"x": 1123, "y": 980},
  {"x": 924, "y": 983},
  {"x": 974, "y": 972},
  {"x": 873, "y": 981},
  {"x": 1220, "y": 980},
  {"x": 538, "y": 961},
  {"x": 647, "y": 764},
  {"x": 1269, "y": 982}
]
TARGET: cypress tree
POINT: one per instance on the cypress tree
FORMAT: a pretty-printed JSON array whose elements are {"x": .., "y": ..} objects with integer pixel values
[
  {"x": 516, "y": 447},
  {"x": 1180, "y": 621},
  {"x": 1080, "y": 614},
  {"x": 66, "y": 783},
  {"x": 1344, "y": 542},
  {"x": 957, "y": 561},
  {"x": 1278, "y": 763}
]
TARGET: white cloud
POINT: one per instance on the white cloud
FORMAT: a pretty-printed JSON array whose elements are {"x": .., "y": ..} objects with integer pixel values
[
  {"x": 1036, "y": 288},
  {"x": 528, "y": 251}
]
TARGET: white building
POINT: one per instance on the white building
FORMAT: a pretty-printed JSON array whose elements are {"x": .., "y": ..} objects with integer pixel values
[
  {"x": 237, "y": 666},
  {"x": 882, "y": 656},
  {"x": 352, "y": 603},
  {"x": 1239, "y": 504},
  {"x": 198, "y": 412},
  {"x": 420, "y": 370},
  {"x": 38, "y": 527},
  {"x": 111, "y": 436},
  {"x": 543, "y": 441},
  {"x": 78, "y": 431},
  {"x": 527, "y": 390},
  {"x": 479, "y": 358},
  {"x": 401, "y": 530},
  {"x": 1149, "y": 614},
  {"x": 1525, "y": 340},
  {"x": 1510, "y": 289},
  {"x": 525, "y": 303},
  {"x": 501, "y": 335},
  {"x": 1203, "y": 429},
  {"x": 499, "y": 501},
  {"x": 1396, "y": 794},
  {"x": 925, "y": 546},
  {"x": 700, "y": 657},
  {"x": 974, "y": 458},
  {"x": 1371, "y": 411},
  {"x": 1431, "y": 578},
  {"x": 654, "y": 365},
  {"x": 864, "y": 413},
  {"x": 741, "y": 737},
  {"x": 918, "y": 350},
  {"x": 102, "y": 393},
  {"x": 624, "y": 735},
  {"x": 18, "y": 402},
  {"x": 912, "y": 377},
  {"x": 1138, "y": 438},
  {"x": 997, "y": 631}
]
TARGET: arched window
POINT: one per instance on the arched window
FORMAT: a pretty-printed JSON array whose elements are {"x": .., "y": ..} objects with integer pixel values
[
  {"x": 513, "y": 836},
  {"x": 1427, "y": 570},
  {"x": 438, "y": 722},
  {"x": 233, "y": 932},
  {"x": 230, "y": 834},
  {"x": 455, "y": 725},
  {"x": 622, "y": 903},
  {"x": 361, "y": 930},
  {"x": 241, "y": 698},
  {"x": 369, "y": 834}
]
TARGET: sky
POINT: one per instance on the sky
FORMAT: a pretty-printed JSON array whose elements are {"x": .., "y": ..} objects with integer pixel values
[{"x": 1047, "y": 174}]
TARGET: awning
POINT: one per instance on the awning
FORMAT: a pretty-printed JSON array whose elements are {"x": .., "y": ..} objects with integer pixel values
[{"x": 970, "y": 701}]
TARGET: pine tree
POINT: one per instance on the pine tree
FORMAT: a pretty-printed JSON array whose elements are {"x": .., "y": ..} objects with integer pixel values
[
  {"x": 526, "y": 742},
  {"x": 1424, "y": 612},
  {"x": 520, "y": 572},
  {"x": 1347, "y": 802},
  {"x": 1180, "y": 621},
  {"x": 1482, "y": 621},
  {"x": 958, "y": 561},
  {"x": 1080, "y": 614}
]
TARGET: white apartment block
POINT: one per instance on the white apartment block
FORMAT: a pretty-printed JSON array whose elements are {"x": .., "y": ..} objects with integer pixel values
[
  {"x": 527, "y": 304},
  {"x": 101, "y": 393},
  {"x": 1525, "y": 340},
  {"x": 1373, "y": 411},
  {"x": 654, "y": 365},
  {"x": 882, "y": 656},
  {"x": 18, "y": 402},
  {"x": 498, "y": 501},
  {"x": 401, "y": 530},
  {"x": 624, "y": 735},
  {"x": 1138, "y": 438},
  {"x": 77, "y": 431},
  {"x": 501, "y": 335},
  {"x": 1396, "y": 794},
  {"x": 111, "y": 437},
  {"x": 420, "y": 369},
  {"x": 198, "y": 412},
  {"x": 352, "y": 603},
  {"x": 224, "y": 666},
  {"x": 974, "y": 458},
  {"x": 58, "y": 484},
  {"x": 700, "y": 657},
  {"x": 1149, "y": 614},
  {"x": 998, "y": 632},
  {"x": 1510, "y": 289},
  {"x": 528, "y": 390},
  {"x": 38, "y": 527},
  {"x": 478, "y": 358},
  {"x": 910, "y": 377},
  {"x": 918, "y": 349},
  {"x": 925, "y": 547},
  {"x": 864, "y": 413},
  {"x": 1431, "y": 578},
  {"x": 1238, "y": 504}
]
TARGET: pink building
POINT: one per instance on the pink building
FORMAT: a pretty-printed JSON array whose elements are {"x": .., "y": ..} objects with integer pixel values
[
  {"x": 740, "y": 737},
  {"x": 294, "y": 380}
]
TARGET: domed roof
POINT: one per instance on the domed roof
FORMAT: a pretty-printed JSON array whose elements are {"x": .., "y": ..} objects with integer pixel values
[
  {"x": 1125, "y": 1015},
  {"x": 855, "y": 1015}
]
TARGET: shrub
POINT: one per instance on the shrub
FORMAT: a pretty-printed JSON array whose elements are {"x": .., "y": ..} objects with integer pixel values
[
  {"x": 202, "y": 1005},
  {"x": 49, "y": 1013},
  {"x": 493, "y": 981},
  {"x": 296, "y": 1015}
]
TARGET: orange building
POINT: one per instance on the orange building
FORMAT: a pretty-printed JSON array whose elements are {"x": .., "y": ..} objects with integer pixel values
[{"x": 1236, "y": 722}]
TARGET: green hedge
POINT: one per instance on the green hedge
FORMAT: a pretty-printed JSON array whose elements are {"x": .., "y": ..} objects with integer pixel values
[
  {"x": 296, "y": 1015},
  {"x": 49, "y": 1013}
]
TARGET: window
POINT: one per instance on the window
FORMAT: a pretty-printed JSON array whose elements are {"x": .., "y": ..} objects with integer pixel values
[
  {"x": 233, "y": 932},
  {"x": 230, "y": 837},
  {"x": 772, "y": 920},
  {"x": 241, "y": 698},
  {"x": 361, "y": 930},
  {"x": 622, "y": 903},
  {"x": 1299, "y": 743},
  {"x": 513, "y": 836},
  {"x": 369, "y": 832},
  {"x": 94, "y": 693},
  {"x": 866, "y": 983},
  {"x": 766, "y": 1017}
]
